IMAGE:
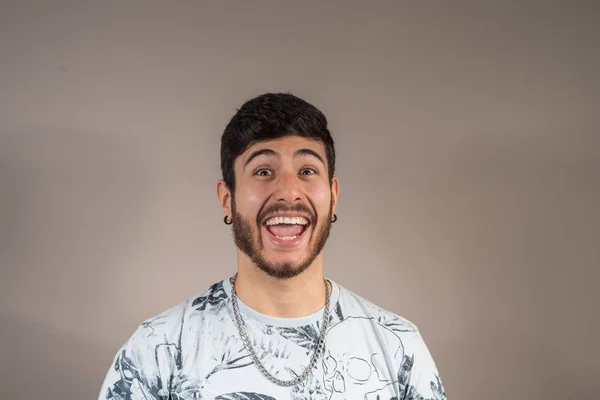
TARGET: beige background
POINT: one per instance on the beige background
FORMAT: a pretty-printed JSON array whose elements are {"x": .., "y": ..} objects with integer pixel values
[{"x": 468, "y": 141}]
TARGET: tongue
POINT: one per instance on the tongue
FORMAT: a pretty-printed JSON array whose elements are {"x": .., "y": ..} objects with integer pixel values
[{"x": 283, "y": 230}]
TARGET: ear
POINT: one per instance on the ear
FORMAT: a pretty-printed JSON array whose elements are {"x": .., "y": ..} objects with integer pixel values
[
  {"x": 224, "y": 196},
  {"x": 335, "y": 192}
]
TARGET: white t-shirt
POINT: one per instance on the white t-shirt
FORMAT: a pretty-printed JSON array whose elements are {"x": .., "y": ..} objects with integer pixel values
[{"x": 194, "y": 351}]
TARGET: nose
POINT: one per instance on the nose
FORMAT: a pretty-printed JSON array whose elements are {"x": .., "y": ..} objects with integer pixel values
[{"x": 288, "y": 187}]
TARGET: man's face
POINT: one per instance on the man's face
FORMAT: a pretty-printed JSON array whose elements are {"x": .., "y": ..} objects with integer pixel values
[{"x": 283, "y": 204}]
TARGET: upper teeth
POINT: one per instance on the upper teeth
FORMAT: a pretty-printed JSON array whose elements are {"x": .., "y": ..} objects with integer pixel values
[{"x": 287, "y": 220}]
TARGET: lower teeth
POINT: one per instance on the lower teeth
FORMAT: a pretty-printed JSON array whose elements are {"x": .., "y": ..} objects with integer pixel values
[{"x": 287, "y": 237}]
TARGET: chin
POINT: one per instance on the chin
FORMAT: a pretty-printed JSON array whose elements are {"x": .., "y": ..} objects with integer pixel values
[{"x": 283, "y": 269}]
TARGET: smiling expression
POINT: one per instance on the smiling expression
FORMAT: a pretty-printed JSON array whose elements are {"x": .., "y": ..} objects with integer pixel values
[{"x": 283, "y": 204}]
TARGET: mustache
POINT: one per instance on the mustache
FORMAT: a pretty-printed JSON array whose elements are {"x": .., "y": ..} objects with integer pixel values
[{"x": 281, "y": 208}]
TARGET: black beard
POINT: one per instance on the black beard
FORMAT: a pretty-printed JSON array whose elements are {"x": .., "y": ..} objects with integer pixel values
[{"x": 252, "y": 247}]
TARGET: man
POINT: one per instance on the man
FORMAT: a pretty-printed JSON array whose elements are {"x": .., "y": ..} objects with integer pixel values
[{"x": 277, "y": 329}]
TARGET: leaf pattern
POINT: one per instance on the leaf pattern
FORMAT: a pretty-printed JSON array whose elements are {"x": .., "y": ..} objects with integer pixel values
[
  {"x": 311, "y": 389},
  {"x": 410, "y": 392},
  {"x": 215, "y": 298},
  {"x": 131, "y": 381},
  {"x": 186, "y": 388},
  {"x": 244, "y": 396},
  {"x": 338, "y": 311},
  {"x": 270, "y": 346},
  {"x": 438, "y": 388},
  {"x": 395, "y": 324},
  {"x": 304, "y": 336}
]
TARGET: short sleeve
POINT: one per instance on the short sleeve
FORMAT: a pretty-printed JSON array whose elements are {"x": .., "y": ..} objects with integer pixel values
[
  {"x": 418, "y": 377},
  {"x": 141, "y": 369}
]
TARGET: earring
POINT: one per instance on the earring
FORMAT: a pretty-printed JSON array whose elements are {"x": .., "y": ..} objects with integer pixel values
[
  {"x": 227, "y": 221},
  {"x": 334, "y": 218}
]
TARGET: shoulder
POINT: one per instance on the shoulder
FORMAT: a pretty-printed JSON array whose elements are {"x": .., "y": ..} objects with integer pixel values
[
  {"x": 401, "y": 336},
  {"x": 168, "y": 325},
  {"x": 355, "y": 305},
  {"x": 361, "y": 321},
  {"x": 144, "y": 365}
]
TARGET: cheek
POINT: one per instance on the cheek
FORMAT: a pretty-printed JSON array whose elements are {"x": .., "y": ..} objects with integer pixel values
[
  {"x": 249, "y": 201},
  {"x": 321, "y": 197}
]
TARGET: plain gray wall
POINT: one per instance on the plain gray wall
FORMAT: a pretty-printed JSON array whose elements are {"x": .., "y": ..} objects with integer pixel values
[{"x": 468, "y": 139}]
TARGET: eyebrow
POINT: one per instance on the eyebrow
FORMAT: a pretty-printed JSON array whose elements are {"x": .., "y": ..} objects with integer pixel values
[{"x": 271, "y": 153}]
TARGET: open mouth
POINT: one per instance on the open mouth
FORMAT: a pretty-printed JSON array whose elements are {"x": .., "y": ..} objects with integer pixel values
[{"x": 287, "y": 231}]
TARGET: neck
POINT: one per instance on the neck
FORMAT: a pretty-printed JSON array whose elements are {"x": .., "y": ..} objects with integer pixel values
[{"x": 294, "y": 297}]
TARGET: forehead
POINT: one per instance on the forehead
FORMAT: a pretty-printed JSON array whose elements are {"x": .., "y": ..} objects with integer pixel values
[{"x": 285, "y": 146}]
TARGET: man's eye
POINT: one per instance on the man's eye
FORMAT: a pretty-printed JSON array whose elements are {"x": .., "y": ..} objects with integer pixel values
[
  {"x": 263, "y": 172},
  {"x": 308, "y": 171}
]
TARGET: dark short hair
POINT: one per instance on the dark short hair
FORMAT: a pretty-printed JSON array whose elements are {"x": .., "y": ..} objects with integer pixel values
[{"x": 272, "y": 116}]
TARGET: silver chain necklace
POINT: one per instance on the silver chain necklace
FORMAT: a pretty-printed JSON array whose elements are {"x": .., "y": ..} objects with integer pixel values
[{"x": 244, "y": 334}]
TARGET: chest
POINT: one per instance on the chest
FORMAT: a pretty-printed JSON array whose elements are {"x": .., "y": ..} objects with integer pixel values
[
  {"x": 345, "y": 370},
  {"x": 248, "y": 383}
]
